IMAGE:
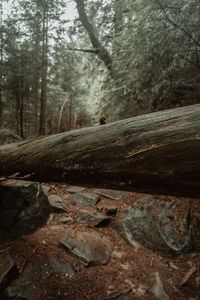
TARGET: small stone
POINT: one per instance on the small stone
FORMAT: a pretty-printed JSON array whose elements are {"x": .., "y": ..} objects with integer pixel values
[
  {"x": 75, "y": 189},
  {"x": 50, "y": 219},
  {"x": 112, "y": 194},
  {"x": 91, "y": 217},
  {"x": 89, "y": 246},
  {"x": 46, "y": 188},
  {"x": 66, "y": 220},
  {"x": 57, "y": 203},
  {"x": 86, "y": 199}
]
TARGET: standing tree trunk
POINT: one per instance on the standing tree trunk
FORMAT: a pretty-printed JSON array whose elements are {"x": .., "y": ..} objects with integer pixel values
[
  {"x": 61, "y": 114},
  {"x": 36, "y": 75},
  {"x": 17, "y": 108},
  {"x": 1, "y": 63},
  {"x": 21, "y": 107},
  {"x": 70, "y": 114},
  {"x": 154, "y": 153},
  {"x": 99, "y": 49},
  {"x": 43, "y": 96},
  {"x": 36, "y": 99}
]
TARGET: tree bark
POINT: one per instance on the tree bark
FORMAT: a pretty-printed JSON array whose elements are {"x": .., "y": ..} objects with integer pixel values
[{"x": 154, "y": 153}]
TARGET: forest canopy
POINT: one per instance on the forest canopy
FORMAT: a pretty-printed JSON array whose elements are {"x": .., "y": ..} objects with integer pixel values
[{"x": 63, "y": 63}]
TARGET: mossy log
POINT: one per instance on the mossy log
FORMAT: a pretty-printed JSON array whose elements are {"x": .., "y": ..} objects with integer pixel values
[{"x": 153, "y": 153}]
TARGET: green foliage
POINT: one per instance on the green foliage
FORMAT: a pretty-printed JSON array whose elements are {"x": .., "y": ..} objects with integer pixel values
[
  {"x": 155, "y": 52},
  {"x": 153, "y": 46},
  {"x": 155, "y": 56}
]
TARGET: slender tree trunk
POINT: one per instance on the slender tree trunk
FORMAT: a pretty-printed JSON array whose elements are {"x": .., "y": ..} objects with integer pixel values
[
  {"x": 154, "y": 153},
  {"x": 1, "y": 63},
  {"x": 36, "y": 103},
  {"x": 21, "y": 116},
  {"x": 75, "y": 119},
  {"x": 37, "y": 76},
  {"x": 61, "y": 114},
  {"x": 43, "y": 96},
  {"x": 26, "y": 119},
  {"x": 36, "y": 114},
  {"x": 70, "y": 114},
  {"x": 21, "y": 105},
  {"x": 17, "y": 97}
]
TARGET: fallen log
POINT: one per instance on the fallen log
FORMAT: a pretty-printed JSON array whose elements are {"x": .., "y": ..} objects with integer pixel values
[{"x": 154, "y": 153}]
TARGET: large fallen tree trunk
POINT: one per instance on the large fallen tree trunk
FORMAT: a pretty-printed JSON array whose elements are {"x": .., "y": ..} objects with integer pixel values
[{"x": 153, "y": 153}]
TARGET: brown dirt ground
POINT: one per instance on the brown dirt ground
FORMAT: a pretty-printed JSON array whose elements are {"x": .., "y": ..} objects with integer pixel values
[{"x": 132, "y": 270}]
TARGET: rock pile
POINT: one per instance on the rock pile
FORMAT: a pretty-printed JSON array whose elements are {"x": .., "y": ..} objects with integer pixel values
[{"x": 95, "y": 244}]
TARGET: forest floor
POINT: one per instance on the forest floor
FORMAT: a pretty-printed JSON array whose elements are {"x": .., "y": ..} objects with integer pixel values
[{"x": 131, "y": 273}]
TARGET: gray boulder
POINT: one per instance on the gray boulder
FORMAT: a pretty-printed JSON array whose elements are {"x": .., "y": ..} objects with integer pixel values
[
  {"x": 23, "y": 207},
  {"x": 158, "y": 225}
]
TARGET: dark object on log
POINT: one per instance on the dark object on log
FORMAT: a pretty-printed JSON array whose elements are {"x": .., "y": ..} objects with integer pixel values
[
  {"x": 154, "y": 153},
  {"x": 102, "y": 121}
]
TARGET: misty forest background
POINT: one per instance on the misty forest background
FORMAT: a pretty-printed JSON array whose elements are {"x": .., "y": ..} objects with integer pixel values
[{"x": 63, "y": 63}]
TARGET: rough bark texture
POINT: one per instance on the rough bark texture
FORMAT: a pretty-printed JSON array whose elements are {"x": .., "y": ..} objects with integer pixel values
[{"x": 153, "y": 153}]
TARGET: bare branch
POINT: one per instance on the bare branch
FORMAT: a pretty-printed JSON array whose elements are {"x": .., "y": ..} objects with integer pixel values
[
  {"x": 175, "y": 24},
  {"x": 94, "y": 51},
  {"x": 102, "y": 53}
]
